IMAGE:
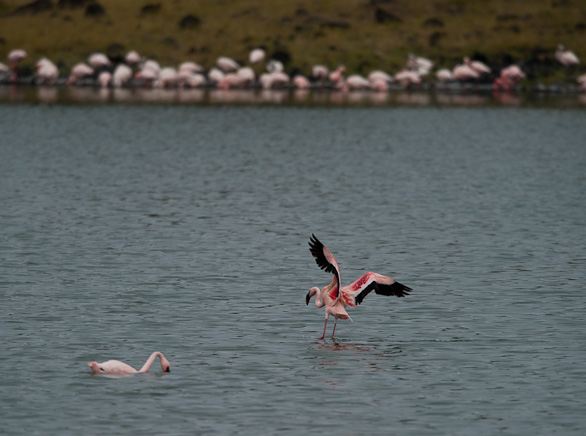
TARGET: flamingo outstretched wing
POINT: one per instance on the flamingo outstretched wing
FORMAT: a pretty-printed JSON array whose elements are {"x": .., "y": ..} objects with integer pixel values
[
  {"x": 355, "y": 292},
  {"x": 325, "y": 260}
]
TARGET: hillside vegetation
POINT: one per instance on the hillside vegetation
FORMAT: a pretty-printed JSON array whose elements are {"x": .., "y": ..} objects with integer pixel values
[{"x": 362, "y": 34}]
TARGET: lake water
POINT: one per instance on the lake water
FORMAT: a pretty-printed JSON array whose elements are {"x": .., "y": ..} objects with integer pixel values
[{"x": 127, "y": 229}]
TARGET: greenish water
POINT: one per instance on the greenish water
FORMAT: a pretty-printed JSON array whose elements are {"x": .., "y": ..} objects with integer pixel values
[{"x": 128, "y": 229}]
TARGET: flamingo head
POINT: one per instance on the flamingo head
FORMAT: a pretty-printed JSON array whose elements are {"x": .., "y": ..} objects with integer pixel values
[
  {"x": 313, "y": 291},
  {"x": 165, "y": 366},
  {"x": 96, "y": 368}
]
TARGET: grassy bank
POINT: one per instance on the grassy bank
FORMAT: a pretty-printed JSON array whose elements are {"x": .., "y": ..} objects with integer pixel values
[{"x": 362, "y": 34}]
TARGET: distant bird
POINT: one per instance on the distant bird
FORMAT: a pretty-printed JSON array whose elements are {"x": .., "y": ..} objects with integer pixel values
[
  {"x": 15, "y": 57},
  {"x": 247, "y": 75},
  {"x": 337, "y": 76},
  {"x": 167, "y": 78},
  {"x": 479, "y": 67},
  {"x": 78, "y": 72},
  {"x": 256, "y": 56},
  {"x": 356, "y": 82},
  {"x": 99, "y": 60},
  {"x": 47, "y": 72},
  {"x": 378, "y": 75},
  {"x": 274, "y": 80},
  {"x": 122, "y": 75},
  {"x": 421, "y": 66},
  {"x": 117, "y": 367},
  {"x": 191, "y": 67},
  {"x": 319, "y": 72},
  {"x": 444, "y": 75},
  {"x": 407, "y": 78},
  {"x": 104, "y": 79},
  {"x": 508, "y": 77},
  {"x": 226, "y": 64},
  {"x": 464, "y": 72},
  {"x": 336, "y": 298},
  {"x": 132, "y": 58},
  {"x": 301, "y": 82},
  {"x": 215, "y": 75},
  {"x": 582, "y": 81},
  {"x": 566, "y": 57},
  {"x": 275, "y": 66}
]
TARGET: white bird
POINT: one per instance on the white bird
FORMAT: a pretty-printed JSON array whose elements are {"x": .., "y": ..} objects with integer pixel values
[
  {"x": 191, "y": 67},
  {"x": 122, "y": 75},
  {"x": 99, "y": 60},
  {"x": 479, "y": 67},
  {"x": 47, "y": 71},
  {"x": 132, "y": 57},
  {"x": 335, "y": 298},
  {"x": 356, "y": 82},
  {"x": 444, "y": 75},
  {"x": 79, "y": 71},
  {"x": 421, "y": 66},
  {"x": 167, "y": 78},
  {"x": 566, "y": 57},
  {"x": 104, "y": 79},
  {"x": 275, "y": 66},
  {"x": 226, "y": 64},
  {"x": 256, "y": 56}
]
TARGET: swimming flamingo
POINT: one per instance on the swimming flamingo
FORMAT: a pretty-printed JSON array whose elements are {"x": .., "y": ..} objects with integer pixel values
[
  {"x": 117, "y": 367},
  {"x": 336, "y": 298}
]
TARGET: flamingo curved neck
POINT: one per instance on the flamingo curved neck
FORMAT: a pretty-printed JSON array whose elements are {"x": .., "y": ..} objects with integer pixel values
[{"x": 150, "y": 361}]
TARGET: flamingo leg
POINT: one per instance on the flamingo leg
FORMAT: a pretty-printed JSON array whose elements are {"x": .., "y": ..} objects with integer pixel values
[
  {"x": 334, "y": 331},
  {"x": 325, "y": 324}
]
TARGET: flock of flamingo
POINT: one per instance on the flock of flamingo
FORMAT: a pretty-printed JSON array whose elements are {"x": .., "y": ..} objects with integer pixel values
[
  {"x": 230, "y": 74},
  {"x": 334, "y": 297}
]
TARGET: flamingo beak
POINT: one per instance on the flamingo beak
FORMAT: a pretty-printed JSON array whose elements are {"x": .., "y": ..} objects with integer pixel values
[{"x": 307, "y": 298}]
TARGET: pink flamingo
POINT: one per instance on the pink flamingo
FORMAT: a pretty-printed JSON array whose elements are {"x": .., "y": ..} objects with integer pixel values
[
  {"x": 99, "y": 60},
  {"x": 337, "y": 76},
  {"x": 582, "y": 81},
  {"x": 507, "y": 79},
  {"x": 227, "y": 64},
  {"x": 47, "y": 72},
  {"x": 301, "y": 82},
  {"x": 566, "y": 57},
  {"x": 256, "y": 56},
  {"x": 464, "y": 72},
  {"x": 336, "y": 298},
  {"x": 479, "y": 67},
  {"x": 117, "y": 367},
  {"x": 15, "y": 57},
  {"x": 407, "y": 77},
  {"x": 78, "y": 72}
]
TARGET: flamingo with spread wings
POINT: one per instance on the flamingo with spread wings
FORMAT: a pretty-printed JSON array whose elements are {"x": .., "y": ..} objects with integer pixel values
[{"x": 335, "y": 298}]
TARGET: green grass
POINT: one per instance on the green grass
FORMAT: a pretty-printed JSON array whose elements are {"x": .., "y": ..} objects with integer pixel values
[{"x": 318, "y": 31}]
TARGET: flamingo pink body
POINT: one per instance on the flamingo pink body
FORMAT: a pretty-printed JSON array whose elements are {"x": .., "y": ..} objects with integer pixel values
[
  {"x": 117, "y": 367},
  {"x": 334, "y": 298}
]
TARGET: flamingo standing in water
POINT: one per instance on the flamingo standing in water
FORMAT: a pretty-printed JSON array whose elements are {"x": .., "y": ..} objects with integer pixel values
[
  {"x": 117, "y": 367},
  {"x": 335, "y": 297}
]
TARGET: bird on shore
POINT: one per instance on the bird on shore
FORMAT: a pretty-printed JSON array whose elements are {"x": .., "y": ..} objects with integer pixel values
[
  {"x": 335, "y": 298},
  {"x": 15, "y": 57},
  {"x": 117, "y": 367},
  {"x": 566, "y": 57},
  {"x": 47, "y": 72},
  {"x": 479, "y": 67}
]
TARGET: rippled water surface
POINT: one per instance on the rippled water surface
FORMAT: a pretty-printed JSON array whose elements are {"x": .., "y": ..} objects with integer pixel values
[{"x": 130, "y": 229}]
